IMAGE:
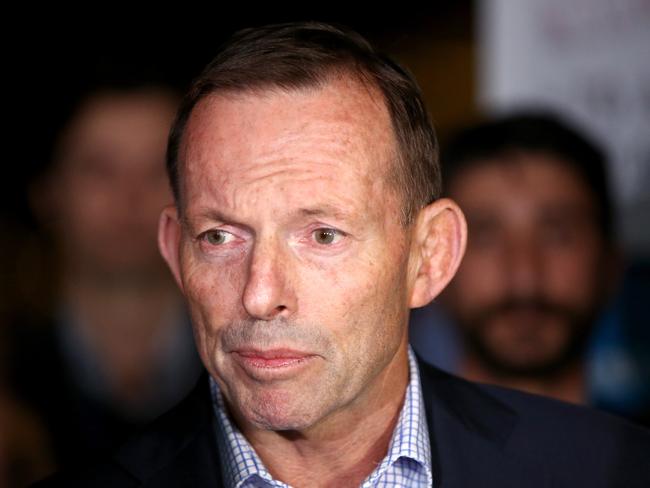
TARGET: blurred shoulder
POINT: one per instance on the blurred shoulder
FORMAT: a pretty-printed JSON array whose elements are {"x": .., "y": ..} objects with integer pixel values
[{"x": 179, "y": 449}]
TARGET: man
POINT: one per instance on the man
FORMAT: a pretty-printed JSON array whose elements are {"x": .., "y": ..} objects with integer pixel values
[
  {"x": 307, "y": 223},
  {"x": 541, "y": 258},
  {"x": 116, "y": 350}
]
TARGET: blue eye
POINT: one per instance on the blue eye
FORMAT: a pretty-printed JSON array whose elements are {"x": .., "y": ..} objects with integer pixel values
[{"x": 326, "y": 236}]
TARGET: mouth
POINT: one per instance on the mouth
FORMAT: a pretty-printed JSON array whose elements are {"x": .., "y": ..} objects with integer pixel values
[{"x": 272, "y": 363}]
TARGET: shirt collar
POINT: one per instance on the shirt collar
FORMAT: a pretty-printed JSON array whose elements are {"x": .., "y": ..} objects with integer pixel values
[
  {"x": 411, "y": 435},
  {"x": 410, "y": 439}
]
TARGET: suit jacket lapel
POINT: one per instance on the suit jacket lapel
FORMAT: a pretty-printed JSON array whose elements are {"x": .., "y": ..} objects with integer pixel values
[{"x": 469, "y": 431}]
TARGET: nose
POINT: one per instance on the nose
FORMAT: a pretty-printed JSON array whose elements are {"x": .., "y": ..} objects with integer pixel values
[
  {"x": 268, "y": 292},
  {"x": 524, "y": 269}
]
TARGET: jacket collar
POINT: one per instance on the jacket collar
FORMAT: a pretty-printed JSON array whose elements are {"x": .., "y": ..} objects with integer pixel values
[{"x": 469, "y": 431}]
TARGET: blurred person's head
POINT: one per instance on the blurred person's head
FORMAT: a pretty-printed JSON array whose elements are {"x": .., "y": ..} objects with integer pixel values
[
  {"x": 107, "y": 184},
  {"x": 540, "y": 255}
]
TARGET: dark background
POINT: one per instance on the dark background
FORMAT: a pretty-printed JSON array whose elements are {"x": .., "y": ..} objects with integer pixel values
[{"x": 51, "y": 55}]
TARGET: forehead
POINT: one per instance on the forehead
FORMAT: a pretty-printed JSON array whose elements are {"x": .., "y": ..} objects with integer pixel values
[
  {"x": 108, "y": 122},
  {"x": 524, "y": 182},
  {"x": 340, "y": 128},
  {"x": 146, "y": 110}
]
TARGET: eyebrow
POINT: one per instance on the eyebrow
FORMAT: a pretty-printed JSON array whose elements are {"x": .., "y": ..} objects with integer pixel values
[
  {"x": 211, "y": 214},
  {"x": 324, "y": 210},
  {"x": 570, "y": 214},
  {"x": 319, "y": 210},
  {"x": 205, "y": 213}
]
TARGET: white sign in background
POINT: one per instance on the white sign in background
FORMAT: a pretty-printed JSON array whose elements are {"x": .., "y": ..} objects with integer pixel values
[{"x": 590, "y": 61}]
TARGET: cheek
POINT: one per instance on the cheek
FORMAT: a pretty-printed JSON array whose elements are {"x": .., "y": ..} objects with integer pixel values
[
  {"x": 372, "y": 304},
  {"x": 212, "y": 293},
  {"x": 574, "y": 277}
]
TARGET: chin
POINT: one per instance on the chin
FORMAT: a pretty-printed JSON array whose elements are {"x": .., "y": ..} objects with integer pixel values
[
  {"x": 269, "y": 417},
  {"x": 279, "y": 410}
]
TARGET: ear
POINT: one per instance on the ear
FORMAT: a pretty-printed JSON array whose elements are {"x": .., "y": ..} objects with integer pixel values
[
  {"x": 440, "y": 237},
  {"x": 169, "y": 240}
]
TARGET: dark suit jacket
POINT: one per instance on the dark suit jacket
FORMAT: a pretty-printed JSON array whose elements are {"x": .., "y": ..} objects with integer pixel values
[
  {"x": 79, "y": 425},
  {"x": 481, "y": 436}
]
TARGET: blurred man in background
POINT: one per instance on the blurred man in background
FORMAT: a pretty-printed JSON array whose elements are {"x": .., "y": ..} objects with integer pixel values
[
  {"x": 119, "y": 349},
  {"x": 541, "y": 258}
]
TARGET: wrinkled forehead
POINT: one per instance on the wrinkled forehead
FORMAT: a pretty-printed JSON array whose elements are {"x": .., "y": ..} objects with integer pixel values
[{"x": 343, "y": 121}]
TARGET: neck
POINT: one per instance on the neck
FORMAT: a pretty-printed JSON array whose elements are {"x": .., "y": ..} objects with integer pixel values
[
  {"x": 343, "y": 449},
  {"x": 123, "y": 324},
  {"x": 568, "y": 384}
]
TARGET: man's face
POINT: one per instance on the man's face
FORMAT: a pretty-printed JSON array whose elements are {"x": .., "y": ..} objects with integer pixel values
[
  {"x": 110, "y": 183},
  {"x": 533, "y": 275},
  {"x": 291, "y": 254}
]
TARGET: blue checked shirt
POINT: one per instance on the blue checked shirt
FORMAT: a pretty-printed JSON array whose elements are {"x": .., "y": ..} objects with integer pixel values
[{"x": 407, "y": 463}]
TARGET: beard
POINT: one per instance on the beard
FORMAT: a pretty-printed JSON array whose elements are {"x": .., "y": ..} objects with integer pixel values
[{"x": 529, "y": 337}]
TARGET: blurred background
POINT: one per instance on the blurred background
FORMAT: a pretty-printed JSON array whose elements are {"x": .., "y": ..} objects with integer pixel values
[{"x": 94, "y": 340}]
